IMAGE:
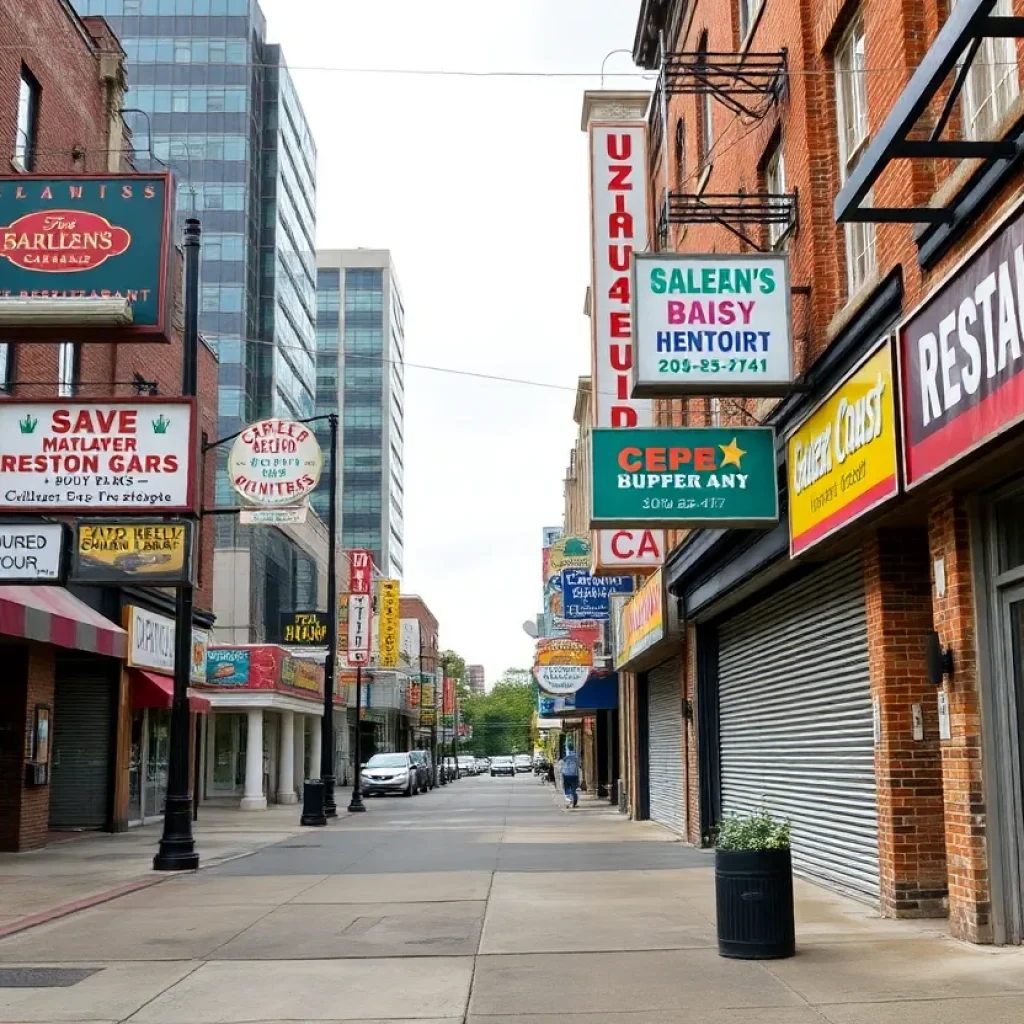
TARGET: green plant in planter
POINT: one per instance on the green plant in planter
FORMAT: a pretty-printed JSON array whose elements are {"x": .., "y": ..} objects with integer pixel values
[{"x": 760, "y": 831}]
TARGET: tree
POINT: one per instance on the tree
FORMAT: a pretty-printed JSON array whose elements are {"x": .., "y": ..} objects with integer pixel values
[
  {"x": 502, "y": 718},
  {"x": 454, "y": 665}
]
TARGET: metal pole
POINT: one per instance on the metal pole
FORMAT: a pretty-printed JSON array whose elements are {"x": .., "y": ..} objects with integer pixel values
[
  {"x": 455, "y": 730},
  {"x": 356, "y": 803},
  {"x": 327, "y": 752},
  {"x": 177, "y": 851}
]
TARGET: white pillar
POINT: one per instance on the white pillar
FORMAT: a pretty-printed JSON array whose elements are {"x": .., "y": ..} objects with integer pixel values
[
  {"x": 286, "y": 760},
  {"x": 314, "y": 751},
  {"x": 253, "y": 798},
  {"x": 300, "y": 752}
]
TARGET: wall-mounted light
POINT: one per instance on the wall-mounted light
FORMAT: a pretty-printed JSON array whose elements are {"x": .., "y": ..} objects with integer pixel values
[{"x": 939, "y": 661}]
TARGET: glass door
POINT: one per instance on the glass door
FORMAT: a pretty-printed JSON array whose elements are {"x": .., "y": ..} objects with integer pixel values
[
  {"x": 1011, "y": 613},
  {"x": 135, "y": 767},
  {"x": 223, "y": 771},
  {"x": 158, "y": 751}
]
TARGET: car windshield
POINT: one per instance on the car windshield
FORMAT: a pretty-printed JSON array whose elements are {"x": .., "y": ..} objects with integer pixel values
[
  {"x": 387, "y": 761},
  {"x": 502, "y": 760}
]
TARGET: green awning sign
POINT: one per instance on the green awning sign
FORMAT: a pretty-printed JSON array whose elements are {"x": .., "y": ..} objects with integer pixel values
[{"x": 684, "y": 477}]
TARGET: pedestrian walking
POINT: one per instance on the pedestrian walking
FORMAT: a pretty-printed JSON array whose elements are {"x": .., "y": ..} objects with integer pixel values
[{"x": 571, "y": 777}]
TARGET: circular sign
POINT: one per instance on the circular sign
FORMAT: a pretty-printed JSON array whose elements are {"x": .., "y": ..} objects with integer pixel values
[
  {"x": 561, "y": 679},
  {"x": 275, "y": 462}
]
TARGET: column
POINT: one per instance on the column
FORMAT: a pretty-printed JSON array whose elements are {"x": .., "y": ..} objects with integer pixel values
[
  {"x": 314, "y": 750},
  {"x": 253, "y": 799},
  {"x": 300, "y": 751},
  {"x": 286, "y": 760}
]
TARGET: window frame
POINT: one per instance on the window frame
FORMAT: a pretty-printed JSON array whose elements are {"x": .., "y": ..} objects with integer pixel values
[
  {"x": 981, "y": 118},
  {"x": 775, "y": 184},
  {"x": 706, "y": 134},
  {"x": 69, "y": 367},
  {"x": 30, "y": 95}
]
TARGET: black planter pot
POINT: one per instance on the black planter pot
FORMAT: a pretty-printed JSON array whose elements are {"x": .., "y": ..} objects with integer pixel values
[{"x": 754, "y": 901}]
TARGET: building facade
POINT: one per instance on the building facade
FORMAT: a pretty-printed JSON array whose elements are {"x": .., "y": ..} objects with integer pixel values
[
  {"x": 475, "y": 679},
  {"x": 855, "y": 668},
  {"x": 361, "y": 376},
  {"x": 210, "y": 98}
]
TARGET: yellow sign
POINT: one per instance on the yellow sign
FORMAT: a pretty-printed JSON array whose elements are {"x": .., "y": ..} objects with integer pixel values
[
  {"x": 842, "y": 459},
  {"x": 125, "y": 551},
  {"x": 643, "y": 620},
  {"x": 388, "y": 623},
  {"x": 564, "y": 651}
]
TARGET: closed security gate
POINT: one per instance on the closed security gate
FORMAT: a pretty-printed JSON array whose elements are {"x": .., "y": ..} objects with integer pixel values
[
  {"x": 665, "y": 743},
  {"x": 796, "y": 728},
  {"x": 82, "y": 731}
]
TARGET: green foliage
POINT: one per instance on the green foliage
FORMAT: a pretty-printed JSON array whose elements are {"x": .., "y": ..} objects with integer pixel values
[
  {"x": 454, "y": 665},
  {"x": 502, "y": 718},
  {"x": 759, "y": 831}
]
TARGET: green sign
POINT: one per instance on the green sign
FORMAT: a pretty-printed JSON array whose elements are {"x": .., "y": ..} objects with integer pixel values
[
  {"x": 689, "y": 476},
  {"x": 90, "y": 236}
]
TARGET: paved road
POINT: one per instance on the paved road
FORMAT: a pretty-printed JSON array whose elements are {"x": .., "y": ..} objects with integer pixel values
[{"x": 485, "y": 903}]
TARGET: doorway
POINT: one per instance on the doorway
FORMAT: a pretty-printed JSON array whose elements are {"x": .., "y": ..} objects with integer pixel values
[{"x": 225, "y": 762}]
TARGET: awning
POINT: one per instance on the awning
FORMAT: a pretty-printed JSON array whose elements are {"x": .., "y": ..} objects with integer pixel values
[
  {"x": 153, "y": 690},
  {"x": 53, "y": 616}
]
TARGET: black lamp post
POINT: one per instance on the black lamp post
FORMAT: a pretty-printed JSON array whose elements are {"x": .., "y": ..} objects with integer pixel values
[{"x": 356, "y": 805}]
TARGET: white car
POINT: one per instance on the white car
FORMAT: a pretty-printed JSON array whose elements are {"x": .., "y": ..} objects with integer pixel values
[{"x": 523, "y": 763}]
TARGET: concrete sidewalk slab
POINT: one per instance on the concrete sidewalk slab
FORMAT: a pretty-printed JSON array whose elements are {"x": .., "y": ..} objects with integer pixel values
[
  {"x": 684, "y": 1014},
  {"x": 375, "y": 930},
  {"x": 209, "y": 890},
  {"x": 317, "y": 990},
  {"x": 414, "y": 887},
  {"x": 990, "y": 1009}
]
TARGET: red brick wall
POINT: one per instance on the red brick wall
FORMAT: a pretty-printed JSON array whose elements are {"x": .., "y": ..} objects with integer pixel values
[{"x": 35, "y": 802}]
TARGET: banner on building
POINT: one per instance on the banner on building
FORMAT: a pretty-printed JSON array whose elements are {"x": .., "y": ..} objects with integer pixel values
[
  {"x": 87, "y": 236},
  {"x": 409, "y": 641},
  {"x": 85, "y": 457},
  {"x": 387, "y": 623},
  {"x": 585, "y": 597},
  {"x": 302, "y": 629},
  {"x": 709, "y": 323},
  {"x": 227, "y": 666},
  {"x": 841, "y": 459},
  {"x": 448, "y": 708},
  {"x": 641, "y": 621},
  {"x": 686, "y": 476},
  {"x": 120, "y": 553},
  {"x": 200, "y": 645},
  {"x": 360, "y": 571},
  {"x": 275, "y": 462},
  {"x": 360, "y": 616}
]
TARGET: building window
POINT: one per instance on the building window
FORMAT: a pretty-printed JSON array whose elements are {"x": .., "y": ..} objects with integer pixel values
[
  {"x": 707, "y": 131},
  {"x": 775, "y": 185},
  {"x": 6, "y": 368},
  {"x": 680, "y": 153},
  {"x": 68, "y": 354},
  {"x": 748, "y": 12},
  {"x": 715, "y": 411},
  {"x": 28, "y": 121},
  {"x": 852, "y": 118},
  {"x": 992, "y": 82}
]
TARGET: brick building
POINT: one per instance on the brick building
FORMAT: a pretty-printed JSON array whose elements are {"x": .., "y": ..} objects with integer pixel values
[
  {"x": 105, "y": 720},
  {"x": 812, "y": 665}
]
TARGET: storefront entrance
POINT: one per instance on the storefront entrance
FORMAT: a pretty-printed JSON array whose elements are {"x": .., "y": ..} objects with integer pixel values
[
  {"x": 225, "y": 772},
  {"x": 147, "y": 780}
]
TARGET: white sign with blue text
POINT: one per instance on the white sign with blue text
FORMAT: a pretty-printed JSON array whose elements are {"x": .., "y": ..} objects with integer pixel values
[
  {"x": 585, "y": 597},
  {"x": 711, "y": 324}
]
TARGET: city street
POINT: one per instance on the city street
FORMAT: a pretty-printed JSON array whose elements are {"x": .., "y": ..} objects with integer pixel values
[{"x": 483, "y": 901}]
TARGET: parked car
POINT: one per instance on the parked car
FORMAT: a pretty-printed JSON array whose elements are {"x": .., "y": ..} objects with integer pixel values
[
  {"x": 424, "y": 768},
  {"x": 523, "y": 763},
  {"x": 390, "y": 773},
  {"x": 502, "y": 766},
  {"x": 467, "y": 764},
  {"x": 482, "y": 766},
  {"x": 451, "y": 770}
]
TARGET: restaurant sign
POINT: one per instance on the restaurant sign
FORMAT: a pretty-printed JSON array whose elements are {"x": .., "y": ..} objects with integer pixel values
[
  {"x": 562, "y": 665},
  {"x": 641, "y": 621},
  {"x": 841, "y": 460},
  {"x": 711, "y": 323},
  {"x": 88, "y": 236},
  {"x": 227, "y": 666},
  {"x": 302, "y": 629},
  {"x": 961, "y": 357},
  {"x": 684, "y": 477},
  {"x": 80, "y": 456},
  {"x": 139, "y": 552},
  {"x": 150, "y": 639}
]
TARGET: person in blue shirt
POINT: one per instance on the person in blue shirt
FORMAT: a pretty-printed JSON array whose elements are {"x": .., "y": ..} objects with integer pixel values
[{"x": 571, "y": 777}]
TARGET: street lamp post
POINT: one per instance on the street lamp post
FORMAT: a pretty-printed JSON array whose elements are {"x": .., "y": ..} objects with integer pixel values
[{"x": 356, "y": 805}]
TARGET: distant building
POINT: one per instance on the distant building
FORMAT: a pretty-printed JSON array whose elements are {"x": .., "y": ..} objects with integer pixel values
[
  {"x": 361, "y": 374},
  {"x": 475, "y": 678}
]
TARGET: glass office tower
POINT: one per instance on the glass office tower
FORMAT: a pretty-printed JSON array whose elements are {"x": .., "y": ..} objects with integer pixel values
[
  {"x": 361, "y": 375},
  {"x": 210, "y": 98}
]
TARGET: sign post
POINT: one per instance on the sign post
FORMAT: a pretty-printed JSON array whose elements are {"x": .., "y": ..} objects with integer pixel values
[{"x": 360, "y": 618}]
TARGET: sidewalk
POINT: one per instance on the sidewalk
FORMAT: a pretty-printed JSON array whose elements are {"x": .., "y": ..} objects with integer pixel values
[{"x": 79, "y": 870}]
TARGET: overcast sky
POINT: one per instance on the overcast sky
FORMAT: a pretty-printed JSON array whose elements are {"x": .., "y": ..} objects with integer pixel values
[{"x": 479, "y": 189}]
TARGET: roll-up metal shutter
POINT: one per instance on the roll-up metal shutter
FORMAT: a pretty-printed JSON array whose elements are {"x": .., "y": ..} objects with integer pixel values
[
  {"x": 82, "y": 733},
  {"x": 796, "y": 725},
  {"x": 665, "y": 743}
]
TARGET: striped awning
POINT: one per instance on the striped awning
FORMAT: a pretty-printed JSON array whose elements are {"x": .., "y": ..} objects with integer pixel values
[{"x": 53, "y": 616}]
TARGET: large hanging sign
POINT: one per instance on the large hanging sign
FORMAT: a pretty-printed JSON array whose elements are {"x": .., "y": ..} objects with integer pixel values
[
  {"x": 562, "y": 665},
  {"x": 689, "y": 476},
  {"x": 138, "y": 552},
  {"x": 275, "y": 462},
  {"x": 360, "y": 615},
  {"x": 707, "y": 323},
  {"x": 89, "y": 236},
  {"x": 619, "y": 229},
  {"x": 841, "y": 460},
  {"x": 585, "y": 597},
  {"x": 388, "y": 623},
  {"x": 80, "y": 457},
  {"x": 962, "y": 360}
]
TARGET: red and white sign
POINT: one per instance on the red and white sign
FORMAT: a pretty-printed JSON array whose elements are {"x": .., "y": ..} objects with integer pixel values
[
  {"x": 275, "y": 462},
  {"x": 360, "y": 570},
  {"x": 360, "y": 617},
  {"x": 619, "y": 226},
  {"x": 80, "y": 456}
]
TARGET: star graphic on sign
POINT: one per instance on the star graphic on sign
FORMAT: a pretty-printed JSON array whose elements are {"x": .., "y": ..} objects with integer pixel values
[{"x": 732, "y": 453}]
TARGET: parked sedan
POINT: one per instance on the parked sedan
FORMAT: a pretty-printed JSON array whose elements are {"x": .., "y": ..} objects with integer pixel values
[
  {"x": 424, "y": 768},
  {"x": 390, "y": 773},
  {"x": 523, "y": 763},
  {"x": 502, "y": 766}
]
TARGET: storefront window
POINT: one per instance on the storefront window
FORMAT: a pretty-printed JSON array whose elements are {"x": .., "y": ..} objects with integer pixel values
[
  {"x": 1010, "y": 520},
  {"x": 158, "y": 735}
]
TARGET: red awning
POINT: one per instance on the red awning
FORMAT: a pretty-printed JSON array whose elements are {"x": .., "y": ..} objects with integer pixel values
[
  {"x": 153, "y": 690},
  {"x": 53, "y": 616}
]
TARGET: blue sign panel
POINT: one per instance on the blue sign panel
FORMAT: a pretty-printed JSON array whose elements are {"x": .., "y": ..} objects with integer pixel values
[{"x": 586, "y": 597}]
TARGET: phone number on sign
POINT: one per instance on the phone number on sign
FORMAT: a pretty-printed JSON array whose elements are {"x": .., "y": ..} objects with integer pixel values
[
  {"x": 712, "y": 366},
  {"x": 684, "y": 503}
]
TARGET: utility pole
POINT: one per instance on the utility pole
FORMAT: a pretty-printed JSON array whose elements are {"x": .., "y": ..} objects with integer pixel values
[
  {"x": 177, "y": 851},
  {"x": 327, "y": 772}
]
